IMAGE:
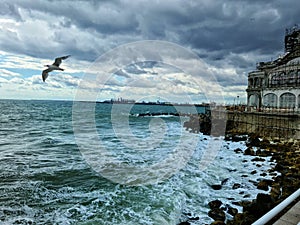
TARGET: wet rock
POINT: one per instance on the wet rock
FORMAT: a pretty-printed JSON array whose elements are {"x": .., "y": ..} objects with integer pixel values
[
  {"x": 261, "y": 205},
  {"x": 215, "y": 204},
  {"x": 253, "y": 172},
  {"x": 238, "y": 150},
  {"x": 245, "y": 203},
  {"x": 216, "y": 186},
  {"x": 273, "y": 174},
  {"x": 236, "y": 138},
  {"x": 275, "y": 191},
  {"x": 264, "y": 184},
  {"x": 254, "y": 182},
  {"x": 232, "y": 211},
  {"x": 258, "y": 159},
  {"x": 199, "y": 123},
  {"x": 194, "y": 218},
  {"x": 280, "y": 167},
  {"x": 236, "y": 186},
  {"x": 242, "y": 219},
  {"x": 224, "y": 181},
  {"x": 190, "y": 216},
  {"x": 218, "y": 223},
  {"x": 184, "y": 223},
  {"x": 249, "y": 151},
  {"x": 258, "y": 152},
  {"x": 187, "y": 214},
  {"x": 217, "y": 214},
  {"x": 254, "y": 140},
  {"x": 262, "y": 153},
  {"x": 237, "y": 203}
]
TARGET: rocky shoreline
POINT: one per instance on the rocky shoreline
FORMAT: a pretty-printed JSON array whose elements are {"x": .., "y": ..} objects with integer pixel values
[{"x": 285, "y": 175}]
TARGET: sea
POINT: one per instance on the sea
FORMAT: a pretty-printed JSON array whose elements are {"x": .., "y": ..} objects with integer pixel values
[{"x": 64, "y": 162}]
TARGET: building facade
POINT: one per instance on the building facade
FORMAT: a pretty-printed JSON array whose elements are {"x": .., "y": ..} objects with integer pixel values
[{"x": 276, "y": 84}]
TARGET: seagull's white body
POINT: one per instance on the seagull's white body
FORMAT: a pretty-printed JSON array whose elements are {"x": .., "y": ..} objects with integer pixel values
[{"x": 54, "y": 66}]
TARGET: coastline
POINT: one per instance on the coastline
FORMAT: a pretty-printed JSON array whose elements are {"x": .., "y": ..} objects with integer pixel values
[{"x": 286, "y": 156}]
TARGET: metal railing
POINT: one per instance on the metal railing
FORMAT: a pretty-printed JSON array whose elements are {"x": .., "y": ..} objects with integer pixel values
[{"x": 276, "y": 210}]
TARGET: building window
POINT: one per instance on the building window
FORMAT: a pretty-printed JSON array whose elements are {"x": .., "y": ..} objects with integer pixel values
[
  {"x": 254, "y": 100},
  {"x": 298, "y": 78},
  {"x": 287, "y": 100},
  {"x": 250, "y": 82},
  {"x": 255, "y": 82},
  {"x": 270, "y": 100},
  {"x": 275, "y": 80},
  {"x": 262, "y": 82},
  {"x": 292, "y": 77}
]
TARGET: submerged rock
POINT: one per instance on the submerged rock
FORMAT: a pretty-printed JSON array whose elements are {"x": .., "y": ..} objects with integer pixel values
[
  {"x": 224, "y": 181},
  {"x": 216, "y": 186},
  {"x": 238, "y": 150},
  {"x": 184, "y": 223},
  {"x": 236, "y": 186}
]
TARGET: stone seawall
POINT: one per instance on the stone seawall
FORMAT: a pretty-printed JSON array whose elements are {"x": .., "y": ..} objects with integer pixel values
[{"x": 268, "y": 125}]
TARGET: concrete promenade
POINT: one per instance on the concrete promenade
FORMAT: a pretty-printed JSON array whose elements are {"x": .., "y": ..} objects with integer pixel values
[{"x": 291, "y": 217}]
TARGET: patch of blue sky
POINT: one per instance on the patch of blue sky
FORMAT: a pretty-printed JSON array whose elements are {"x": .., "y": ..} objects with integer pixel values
[
  {"x": 77, "y": 74},
  {"x": 121, "y": 78},
  {"x": 25, "y": 73}
]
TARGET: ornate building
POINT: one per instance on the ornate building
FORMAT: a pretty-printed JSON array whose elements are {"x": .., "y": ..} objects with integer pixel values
[{"x": 276, "y": 84}]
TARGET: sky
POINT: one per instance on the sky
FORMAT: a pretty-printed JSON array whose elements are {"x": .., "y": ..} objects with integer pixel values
[{"x": 168, "y": 50}]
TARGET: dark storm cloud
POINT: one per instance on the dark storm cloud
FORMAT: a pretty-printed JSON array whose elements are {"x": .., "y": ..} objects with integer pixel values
[
  {"x": 10, "y": 10},
  {"x": 218, "y": 27},
  {"x": 225, "y": 33}
]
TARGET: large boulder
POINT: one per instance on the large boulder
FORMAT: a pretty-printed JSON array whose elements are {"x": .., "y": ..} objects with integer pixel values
[
  {"x": 215, "y": 204},
  {"x": 217, "y": 214},
  {"x": 232, "y": 211},
  {"x": 260, "y": 206}
]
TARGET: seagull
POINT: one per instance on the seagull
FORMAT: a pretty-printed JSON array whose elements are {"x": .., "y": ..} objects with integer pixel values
[{"x": 54, "y": 66}]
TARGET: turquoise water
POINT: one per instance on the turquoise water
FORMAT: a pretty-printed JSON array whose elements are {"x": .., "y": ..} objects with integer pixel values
[{"x": 46, "y": 177}]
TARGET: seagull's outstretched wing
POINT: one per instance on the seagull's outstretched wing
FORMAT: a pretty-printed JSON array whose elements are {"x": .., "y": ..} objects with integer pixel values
[
  {"x": 45, "y": 74},
  {"x": 58, "y": 60}
]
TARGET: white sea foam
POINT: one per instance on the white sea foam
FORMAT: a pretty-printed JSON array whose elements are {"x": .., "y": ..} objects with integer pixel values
[{"x": 47, "y": 180}]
